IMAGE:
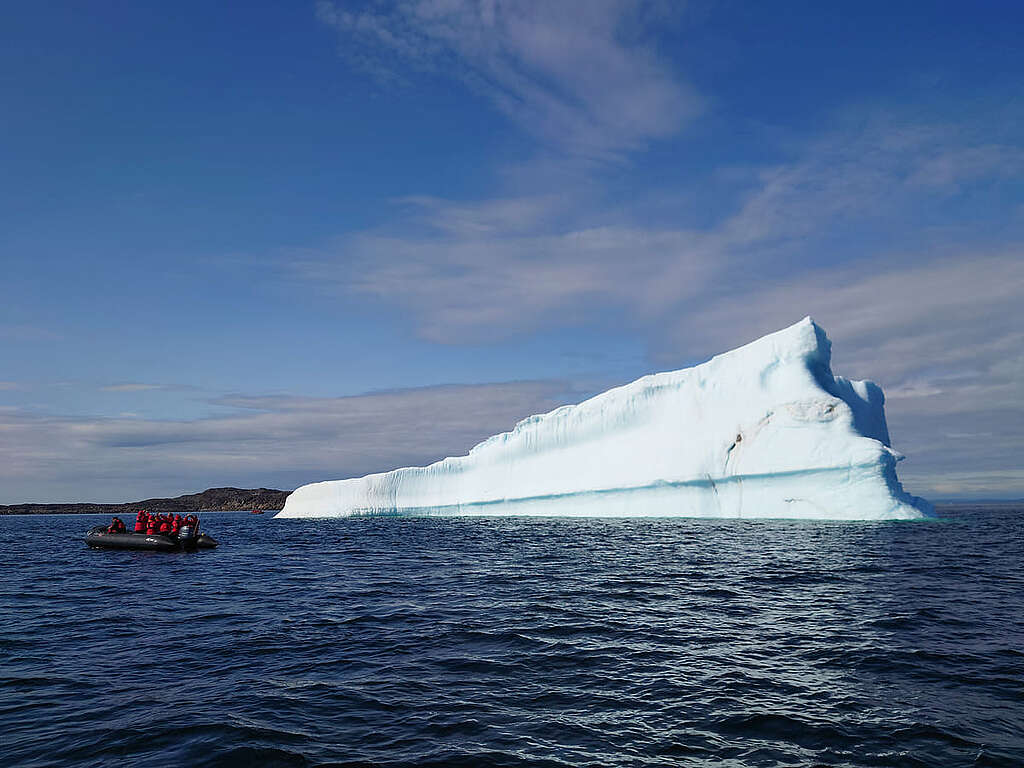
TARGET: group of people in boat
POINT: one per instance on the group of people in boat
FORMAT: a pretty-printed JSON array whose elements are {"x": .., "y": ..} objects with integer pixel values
[{"x": 159, "y": 523}]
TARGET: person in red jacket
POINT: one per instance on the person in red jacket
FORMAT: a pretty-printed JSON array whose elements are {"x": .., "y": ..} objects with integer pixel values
[
  {"x": 140, "y": 522},
  {"x": 190, "y": 527},
  {"x": 165, "y": 525},
  {"x": 151, "y": 525},
  {"x": 116, "y": 526}
]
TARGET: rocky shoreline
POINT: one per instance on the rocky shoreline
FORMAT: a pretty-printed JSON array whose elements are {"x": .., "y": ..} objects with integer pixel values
[{"x": 210, "y": 500}]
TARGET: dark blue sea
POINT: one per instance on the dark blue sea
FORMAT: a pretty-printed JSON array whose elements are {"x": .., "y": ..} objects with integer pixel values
[{"x": 518, "y": 642}]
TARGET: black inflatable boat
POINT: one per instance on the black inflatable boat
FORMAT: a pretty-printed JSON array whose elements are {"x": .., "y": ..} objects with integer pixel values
[{"x": 100, "y": 538}]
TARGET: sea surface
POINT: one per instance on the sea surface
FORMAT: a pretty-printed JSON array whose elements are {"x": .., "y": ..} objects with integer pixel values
[{"x": 518, "y": 642}]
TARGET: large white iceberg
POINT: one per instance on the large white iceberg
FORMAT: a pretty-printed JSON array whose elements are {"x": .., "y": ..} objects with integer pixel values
[{"x": 762, "y": 431}]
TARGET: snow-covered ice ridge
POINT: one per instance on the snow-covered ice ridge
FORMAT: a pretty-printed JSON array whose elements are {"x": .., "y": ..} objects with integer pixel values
[{"x": 762, "y": 431}]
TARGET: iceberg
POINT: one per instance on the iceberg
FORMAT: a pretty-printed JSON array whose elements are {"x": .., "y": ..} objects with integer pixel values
[{"x": 763, "y": 431}]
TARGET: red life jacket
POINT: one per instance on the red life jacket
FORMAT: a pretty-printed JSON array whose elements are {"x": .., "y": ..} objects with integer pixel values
[
  {"x": 151, "y": 527},
  {"x": 165, "y": 527},
  {"x": 140, "y": 526}
]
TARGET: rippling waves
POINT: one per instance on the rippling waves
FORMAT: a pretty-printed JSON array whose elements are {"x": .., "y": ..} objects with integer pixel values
[{"x": 514, "y": 641}]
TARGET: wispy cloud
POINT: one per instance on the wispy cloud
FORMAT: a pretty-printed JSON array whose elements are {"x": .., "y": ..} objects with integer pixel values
[
  {"x": 275, "y": 440},
  {"x": 979, "y": 484},
  {"x": 472, "y": 288},
  {"x": 493, "y": 268},
  {"x": 579, "y": 74},
  {"x": 954, "y": 167},
  {"x": 130, "y": 387}
]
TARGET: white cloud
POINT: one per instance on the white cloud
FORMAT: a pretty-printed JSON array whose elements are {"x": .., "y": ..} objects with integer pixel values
[
  {"x": 473, "y": 271},
  {"x": 470, "y": 287},
  {"x": 953, "y": 167},
  {"x": 933, "y": 314},
  {"x": 579, "y": 74},
  {"x": 274, "y": 441},
  {"x": 976, "y": 484}
]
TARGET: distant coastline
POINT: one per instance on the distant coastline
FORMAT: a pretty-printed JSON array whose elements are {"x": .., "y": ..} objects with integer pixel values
[{"x": 210, "y": 500}]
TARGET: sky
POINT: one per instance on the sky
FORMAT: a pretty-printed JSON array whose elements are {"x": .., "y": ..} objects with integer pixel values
[{"x": 264, "y": 244}]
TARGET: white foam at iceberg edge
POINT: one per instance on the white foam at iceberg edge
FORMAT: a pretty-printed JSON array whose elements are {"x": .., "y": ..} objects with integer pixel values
[{"x": 762, "y": 431}]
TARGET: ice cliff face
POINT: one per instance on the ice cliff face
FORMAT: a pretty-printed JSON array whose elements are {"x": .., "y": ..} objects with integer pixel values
[{"x": 765, "y": 430}]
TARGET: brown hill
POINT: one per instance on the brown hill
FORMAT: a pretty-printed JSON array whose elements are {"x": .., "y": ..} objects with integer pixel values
[{"x": 210, "y": 500}]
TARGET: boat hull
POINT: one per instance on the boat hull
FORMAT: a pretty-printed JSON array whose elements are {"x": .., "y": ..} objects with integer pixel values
[{"x": 100, "y": 538}]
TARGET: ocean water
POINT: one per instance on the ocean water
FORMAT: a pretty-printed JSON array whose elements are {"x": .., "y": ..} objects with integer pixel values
[{"x": 518, "y": 642}]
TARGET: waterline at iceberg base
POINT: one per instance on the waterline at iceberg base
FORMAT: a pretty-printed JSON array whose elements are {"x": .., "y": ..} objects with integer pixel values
[{"x": 763, "y": 431}]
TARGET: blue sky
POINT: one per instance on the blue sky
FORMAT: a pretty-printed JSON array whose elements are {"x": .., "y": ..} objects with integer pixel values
[{"x": 272, "y": 243}]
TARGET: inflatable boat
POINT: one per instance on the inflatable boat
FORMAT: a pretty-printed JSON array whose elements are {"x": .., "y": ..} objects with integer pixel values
[{"x": 100, "y": 538}]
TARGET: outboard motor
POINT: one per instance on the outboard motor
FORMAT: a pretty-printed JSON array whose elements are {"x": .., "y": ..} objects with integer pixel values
[{"x": 186, "y": 534}]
